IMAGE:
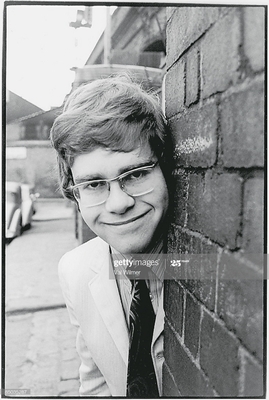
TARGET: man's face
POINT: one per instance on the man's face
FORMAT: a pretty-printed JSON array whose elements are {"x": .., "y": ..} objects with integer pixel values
[{"x": 126, "y": 222}]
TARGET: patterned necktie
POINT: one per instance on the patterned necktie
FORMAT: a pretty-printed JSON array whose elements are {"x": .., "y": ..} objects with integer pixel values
[{"x": 141, "y": 378}]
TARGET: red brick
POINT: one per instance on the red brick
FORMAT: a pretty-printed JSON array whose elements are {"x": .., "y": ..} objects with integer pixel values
[
  {"x": 219, "y": 357},
  {"x": 192, "y": 77},
  {"x": 180, "y": 197},
  {"x": 173, "y": 304},
  {"x": 189, "y": 378},
  {"x": 240, "y": 301},
  {"x": 252, "y": 241},
  {"x": 198, "y": 272},
  {"x": 185, "y": 27},
  {"x": 251, "y": 376},
  {"x": 195, "y": 134},
  {"x": 242, "y": 128},
  {"x": 169, "y": 387},
  {"x": 222, "y": 204},
  {"x": 195, "y": 202},
  {"x": 215, "y": 211},
  {"x": 201, "y": 272},
  {"x": 175, "y": 89},
  {"x": 192, "y": 325},
  {"x": 179, "y": 248},
  {"x": 254, "y": 30},
  {"x": 219, "y": 52},
  {"x": 179, "y": 242}
]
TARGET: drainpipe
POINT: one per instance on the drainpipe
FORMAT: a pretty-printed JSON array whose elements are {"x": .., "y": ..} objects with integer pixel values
[{"x": 107, "y": 37}]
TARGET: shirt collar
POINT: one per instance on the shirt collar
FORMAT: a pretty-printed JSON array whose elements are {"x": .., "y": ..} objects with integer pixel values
[{"x": 157, "y": 270}]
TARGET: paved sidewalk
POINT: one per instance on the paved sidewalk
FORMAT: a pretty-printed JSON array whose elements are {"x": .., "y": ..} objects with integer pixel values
[
  {"x": 40, "y": 341},
  {"x": 32, "y": 261},
  {"x": 41, "y": 354}
]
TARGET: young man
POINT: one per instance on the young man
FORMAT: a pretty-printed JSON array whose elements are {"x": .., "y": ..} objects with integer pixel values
[{"x": 111, "y": 141}]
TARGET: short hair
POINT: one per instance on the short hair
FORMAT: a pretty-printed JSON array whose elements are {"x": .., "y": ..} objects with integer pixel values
[{"x": 113, "y": 113}]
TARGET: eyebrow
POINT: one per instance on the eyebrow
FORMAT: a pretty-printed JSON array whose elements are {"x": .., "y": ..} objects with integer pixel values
[{"x": 95, "y": 177}]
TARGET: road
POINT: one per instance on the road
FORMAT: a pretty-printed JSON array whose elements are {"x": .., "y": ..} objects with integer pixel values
[{"x": 40, "y": 350}]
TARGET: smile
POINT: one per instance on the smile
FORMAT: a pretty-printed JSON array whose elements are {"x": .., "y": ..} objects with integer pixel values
[{"x": 128, "y": 221}]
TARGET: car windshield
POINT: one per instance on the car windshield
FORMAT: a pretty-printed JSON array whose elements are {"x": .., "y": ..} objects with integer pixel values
[{"x": 12, "y": 197}]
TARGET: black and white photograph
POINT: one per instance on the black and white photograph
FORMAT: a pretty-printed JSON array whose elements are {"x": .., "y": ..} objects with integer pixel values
[{"x": 134, "y": 211}]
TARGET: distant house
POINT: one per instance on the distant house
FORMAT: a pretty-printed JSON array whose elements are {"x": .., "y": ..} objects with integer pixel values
[
  {"x": 17, "y": 107},
  {"x": 29, "y": 155},
  {"x": 35, "y": 126},
  {"x": 138, "y": 37},
  {"x": 137, "y": 45},
  {"x": 26, "y": 121}
]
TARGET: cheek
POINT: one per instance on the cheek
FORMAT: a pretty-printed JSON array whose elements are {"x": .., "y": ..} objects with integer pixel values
[
  {"x": 163, "y": 196},
  {"x": 165, "y": 201},
  {"x": 88, "y": 216},
  {"x": 160, "y": 201}
]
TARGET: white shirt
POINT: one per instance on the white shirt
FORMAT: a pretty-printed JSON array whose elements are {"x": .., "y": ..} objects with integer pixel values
[{"x": 154, "y": 283}]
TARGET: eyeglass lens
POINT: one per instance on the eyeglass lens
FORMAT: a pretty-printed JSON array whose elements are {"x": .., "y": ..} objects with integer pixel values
[{"x": 96, "y": 192}]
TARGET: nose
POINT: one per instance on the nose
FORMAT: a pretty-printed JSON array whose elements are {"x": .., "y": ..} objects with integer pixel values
[{"x": 118, "y": 201}]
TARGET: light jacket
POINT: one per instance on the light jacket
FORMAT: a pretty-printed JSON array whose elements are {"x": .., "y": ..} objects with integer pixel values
[{"x": 93, "y": 302}]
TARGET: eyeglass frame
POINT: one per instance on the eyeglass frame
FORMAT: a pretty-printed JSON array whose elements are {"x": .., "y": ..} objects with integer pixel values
[{"x": 117, "y": 178}]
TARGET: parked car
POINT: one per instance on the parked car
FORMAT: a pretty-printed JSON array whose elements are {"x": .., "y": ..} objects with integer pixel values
[
  {"x": 28, "y": 204},
  {"x": 13, "y": 210},
  {"x": 20, "y": 208}
]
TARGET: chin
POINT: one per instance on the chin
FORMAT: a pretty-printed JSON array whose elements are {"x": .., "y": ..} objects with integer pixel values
[{"x": 136, "y": 246}]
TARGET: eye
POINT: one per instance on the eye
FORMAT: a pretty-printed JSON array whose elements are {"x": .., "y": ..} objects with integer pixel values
[
  {"x": 137, "y": 175},
  {"x": 94, "y": 185}
]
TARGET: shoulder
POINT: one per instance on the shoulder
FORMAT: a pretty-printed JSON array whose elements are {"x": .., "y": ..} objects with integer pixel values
[
  {"x": 84, "y": 257},
  {"x": 92, "y": 247}
]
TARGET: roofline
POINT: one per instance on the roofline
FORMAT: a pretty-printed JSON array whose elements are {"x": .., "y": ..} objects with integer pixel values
[{"x": 36, "y": 114}]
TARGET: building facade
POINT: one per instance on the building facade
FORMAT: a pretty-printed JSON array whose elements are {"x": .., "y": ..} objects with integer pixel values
[
  {"x": 215, "y": 106},
  {"x": 29, "y": 155}
]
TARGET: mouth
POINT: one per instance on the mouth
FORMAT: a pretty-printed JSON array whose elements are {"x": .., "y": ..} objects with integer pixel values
[{"x": 119, "y": 223}]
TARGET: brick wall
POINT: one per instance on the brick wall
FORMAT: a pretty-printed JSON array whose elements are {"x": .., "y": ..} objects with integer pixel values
[{"x": 215, "y": 105}]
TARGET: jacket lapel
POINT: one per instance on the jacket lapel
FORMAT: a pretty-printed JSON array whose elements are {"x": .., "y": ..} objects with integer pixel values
[
  {"x": 105, "y": 293},
  {"x": 106, "y": 296},
  {"x": 159, "y": 322}
]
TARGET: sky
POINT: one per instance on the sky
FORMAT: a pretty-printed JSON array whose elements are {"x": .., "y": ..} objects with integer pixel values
[{"x": 42, "y": 48}]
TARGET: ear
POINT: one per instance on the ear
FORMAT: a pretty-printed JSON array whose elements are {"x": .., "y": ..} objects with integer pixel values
[{"x": 77, "y": 206}]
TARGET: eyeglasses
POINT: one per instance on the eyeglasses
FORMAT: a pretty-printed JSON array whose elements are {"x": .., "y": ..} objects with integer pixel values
[{"x": 135, "y": 182}]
